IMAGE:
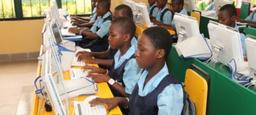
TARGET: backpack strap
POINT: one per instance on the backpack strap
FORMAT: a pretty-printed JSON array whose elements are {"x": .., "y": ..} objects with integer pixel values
[
  {"x": 104, "y": 20},
  {"x": 163, "y": 13},
  {"x": 151, "y": 10}
]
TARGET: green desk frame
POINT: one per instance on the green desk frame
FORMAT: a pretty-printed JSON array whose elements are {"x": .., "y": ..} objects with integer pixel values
[{"x": 226, "y": 97}]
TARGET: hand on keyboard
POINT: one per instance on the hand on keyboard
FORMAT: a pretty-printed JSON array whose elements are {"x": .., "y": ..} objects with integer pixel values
[
  {"x": 99, "y": 78},
  {"x": 94, "y": 69},
  {"x": 109, "y": 102},
  {"x": 82, "y": 55},
  {"x": 84, "y": 108}
]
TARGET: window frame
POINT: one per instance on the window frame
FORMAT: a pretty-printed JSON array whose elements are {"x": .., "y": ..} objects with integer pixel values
[{"x": 18, "y": 11}]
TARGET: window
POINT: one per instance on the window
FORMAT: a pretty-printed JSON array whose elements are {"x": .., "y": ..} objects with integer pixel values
[
  {"x": 77, "y": 6},
  {"x": 7, "y": 9},
  {"x": 18, "y": 9},
  {"x": 34, "y": 8}
]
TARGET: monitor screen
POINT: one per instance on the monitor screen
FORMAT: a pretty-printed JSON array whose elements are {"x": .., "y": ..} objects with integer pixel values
[
  {"x": 226, "y": 43},
  {"x": 142, "y": 15},
  {"x": 186, "y": 26},
  {"x": 56, "y": 33},
  {"x": 51, "y": 86}
]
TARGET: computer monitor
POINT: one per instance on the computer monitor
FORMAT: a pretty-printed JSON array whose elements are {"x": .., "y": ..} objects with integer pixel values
[
  {"x": 219, "y": 3},
  {"x": 251, "y": 54},
  {"x": 226, "y": 44},
  {"x": 129, "y": 3},
  {"x": 54, "y": 14},
  {"x": 56, "y": 32},
  {"x": 57, "y": 103},
  {"x": 186, "y": 26},
  {"x": 190, "y": 5},
  {"x": 142, "y": 15}
]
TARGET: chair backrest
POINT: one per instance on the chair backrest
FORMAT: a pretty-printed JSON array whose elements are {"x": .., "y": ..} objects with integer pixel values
[
  {"x": 197, "y": 89},
  {"x": 244, "y": 10},
  {"x": 250, "y": 31},
  {"x": 197, "y": 15}
]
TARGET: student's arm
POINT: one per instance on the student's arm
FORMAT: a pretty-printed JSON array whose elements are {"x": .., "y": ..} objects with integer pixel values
[
  {"x": 170, "y": 100},
  {"x": 110, "y": 102},
  {"x": 167, "y": 21},
  {"x": 102, "y": 55},
  {"x": 89, "y": 24},
  {"x": 106, "y": 62},
  {"x": 99, "y": 78},
  {"x": 250, "y": 23},
  {"x": 83, "y": 55},
  {"x": 88, "y": 34},
  {"x": 103, "y": 31}
]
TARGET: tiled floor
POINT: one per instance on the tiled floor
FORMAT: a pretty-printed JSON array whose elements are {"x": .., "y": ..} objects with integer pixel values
[{"x": 14, "y": 77}]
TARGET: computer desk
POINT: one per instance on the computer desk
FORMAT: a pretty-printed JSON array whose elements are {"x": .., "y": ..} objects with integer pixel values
[
  {"x": 225, "y": 96},
  {"x": 103, "y": 92},
  {"x": 140, "y": 28}
]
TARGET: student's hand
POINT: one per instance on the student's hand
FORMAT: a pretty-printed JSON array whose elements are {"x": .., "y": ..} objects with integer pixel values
[
  {"x": 152, "y": 18},
  {"x": 109, "y": 102},
  {"x": 83, "y": 55},
  {"x": 156, "y": 22},
  {"x": 74, "y": 30},
  {"x": 90, "y": 60},
  {"x": 94, "y": 69},
  {"x": 99, "y": 78}
]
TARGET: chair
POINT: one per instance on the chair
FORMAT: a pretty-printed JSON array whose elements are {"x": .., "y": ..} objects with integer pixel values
[
  {"x": 244, "y": 10},
  {"x": 197, "y": 89},
  {"x": 250, "y": 31},
  {"x": 197, "y": 15}
]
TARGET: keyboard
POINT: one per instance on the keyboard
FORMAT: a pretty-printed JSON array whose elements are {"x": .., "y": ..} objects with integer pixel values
[
  {"x": 75, "y": 60},
  {"x": 77, "y": 63},
  {"x": 76, "y": 73},
  {"x": 84, "y": 108}
]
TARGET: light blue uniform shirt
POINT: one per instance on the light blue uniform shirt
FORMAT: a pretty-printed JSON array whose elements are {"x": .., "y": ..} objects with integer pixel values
[
  {"x": 251, "y": 17},
  {"x": 134, "y": 42},
  {"x": 131, "y": 69},
  {"x": 94, "y": 16},
  {"x": 170, "y": 100},
  {"x": 104, "y": 26},
  {"x": 154, "y": 13},
  {"x": 184, "y": 12},
  {"x": 167, "y": 18},
  {"x": 242, "y": 38}
]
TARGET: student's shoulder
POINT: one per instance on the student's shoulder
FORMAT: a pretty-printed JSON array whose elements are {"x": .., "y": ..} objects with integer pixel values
[{"x": 172, "y": 89}]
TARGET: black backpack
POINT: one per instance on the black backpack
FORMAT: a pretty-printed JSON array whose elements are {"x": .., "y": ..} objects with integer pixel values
[{"x": 189, "y": 107}]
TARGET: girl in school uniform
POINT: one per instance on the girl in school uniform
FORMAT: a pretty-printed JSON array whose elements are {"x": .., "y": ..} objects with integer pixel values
[{"x": 156, "y": 92}]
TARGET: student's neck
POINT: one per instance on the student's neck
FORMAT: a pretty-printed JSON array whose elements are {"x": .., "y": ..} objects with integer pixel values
[
  {"x": 153, "y": 70},
  {"x": 151, "y": 4},
  {"x": 162, "y": 7},
  {"x": 104, "y": 13},
  {"x": 124, "y": 48}
]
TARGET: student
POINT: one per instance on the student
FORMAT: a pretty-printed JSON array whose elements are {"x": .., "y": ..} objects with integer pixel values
[
  {"x": 122, "y": 75},
  {"x": 251, "y": 19},
  {"x": 227, "y": 16},
  {"x": 105, "y": 59},
  {"x": 156, "y": 92},
  {"x": 96, "y": 38},
  {"x": 163, "y": 14},
  {"x": 85, "y": 22},
  {"x": 176, "y": 7},
  {"x": 152, "y": 8}
]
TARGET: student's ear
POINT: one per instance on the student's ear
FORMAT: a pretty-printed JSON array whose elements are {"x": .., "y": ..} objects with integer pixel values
[
  {"x": 126, "y": 37},
  {"x": 233, "y": 18},
  {"x": 160, "y": 53}
]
